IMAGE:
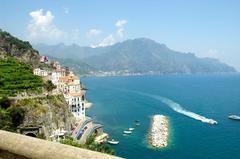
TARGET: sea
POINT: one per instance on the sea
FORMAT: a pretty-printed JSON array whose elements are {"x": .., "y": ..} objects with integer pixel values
[{"x": 185, "y": 99}]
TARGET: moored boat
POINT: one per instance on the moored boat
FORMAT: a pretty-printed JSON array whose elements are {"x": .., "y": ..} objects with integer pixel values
[
  {"x": 113, "y": 142},
  {"x": 127, "y": 132},
  {"x": 130, "y": 129},
  {"x": 137, "y": 124}
]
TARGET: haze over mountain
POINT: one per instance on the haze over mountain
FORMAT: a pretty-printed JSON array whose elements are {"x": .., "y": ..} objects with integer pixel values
[{"x": 141, "y": 55}]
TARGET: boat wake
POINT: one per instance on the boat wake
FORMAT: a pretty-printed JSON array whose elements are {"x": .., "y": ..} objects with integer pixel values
[{"x": 178, "y": 108}]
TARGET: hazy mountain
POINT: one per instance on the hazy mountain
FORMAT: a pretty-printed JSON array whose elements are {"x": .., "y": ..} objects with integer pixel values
[{"x": 137, "y": 56}]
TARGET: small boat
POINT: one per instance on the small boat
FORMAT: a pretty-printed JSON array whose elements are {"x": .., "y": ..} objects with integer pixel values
[
  {"x": 137, "y": 124},
  {"x": 127, "y": 132},
  {"x": 234, "y": 117},
  {"x": 130, "y": 129},
  {"x": 137, "y": 121},
  {"x": 212, "y": 122},
  {"x": 113, "y": 142}
]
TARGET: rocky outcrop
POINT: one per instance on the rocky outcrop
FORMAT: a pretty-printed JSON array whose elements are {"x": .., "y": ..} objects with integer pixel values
[{"x": 50, "y": 112}]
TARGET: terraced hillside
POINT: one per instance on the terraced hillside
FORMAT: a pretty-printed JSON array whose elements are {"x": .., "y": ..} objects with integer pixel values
[{"x": 16, "y": 77}]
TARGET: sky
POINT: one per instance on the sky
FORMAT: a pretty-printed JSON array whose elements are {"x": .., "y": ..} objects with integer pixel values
[{"x": 208, "y": 28}]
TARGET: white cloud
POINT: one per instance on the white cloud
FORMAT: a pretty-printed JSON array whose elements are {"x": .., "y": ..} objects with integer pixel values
[
  {"x": 41, "y": 27},
  {"x": 93, "y": 32},
  {"x": 121, "y": 23},
  {"x": 109, "y": 40},
  {"x": 113, "y": 38}
]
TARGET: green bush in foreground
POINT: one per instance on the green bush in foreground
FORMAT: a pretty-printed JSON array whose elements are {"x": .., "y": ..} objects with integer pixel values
[{"x": 90, "y": 144}]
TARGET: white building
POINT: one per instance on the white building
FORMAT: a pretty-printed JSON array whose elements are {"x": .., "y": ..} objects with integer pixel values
[
  {"x": 55, "y": 77},
  {"x": 76, "y": 103},
  {"x": 40, "y": 72}
]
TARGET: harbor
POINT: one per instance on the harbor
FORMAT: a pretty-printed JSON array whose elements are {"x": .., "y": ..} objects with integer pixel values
[{"x": 158, "y": 136}]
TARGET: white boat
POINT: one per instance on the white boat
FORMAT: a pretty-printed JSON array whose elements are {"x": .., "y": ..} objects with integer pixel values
[
  {"x": 212, "y": 122},
  {"x": 127, "y": 132},
  {"x": 137, "y": 124},
  {"x": 113, "y": 142},
  {"x": 130, "y": 129},
  {"x": 234, "y": 117}
]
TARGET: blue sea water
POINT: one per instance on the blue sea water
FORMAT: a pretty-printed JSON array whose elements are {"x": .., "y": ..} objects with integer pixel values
[{"x": 119, "y": 101}]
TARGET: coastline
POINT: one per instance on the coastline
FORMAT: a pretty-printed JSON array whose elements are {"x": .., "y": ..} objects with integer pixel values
[{"x": 159, "y": 131}]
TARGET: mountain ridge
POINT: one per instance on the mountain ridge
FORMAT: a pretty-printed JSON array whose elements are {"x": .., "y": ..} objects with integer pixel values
[{"x": 141, "y": 55}]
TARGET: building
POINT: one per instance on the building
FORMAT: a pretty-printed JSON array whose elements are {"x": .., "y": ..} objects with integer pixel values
[
  {"x": 44, "y": 59},
  {"x": 69, "y": 84},
  {"x": 40, "y": 72},
  {"x": 76, "y": 104}
]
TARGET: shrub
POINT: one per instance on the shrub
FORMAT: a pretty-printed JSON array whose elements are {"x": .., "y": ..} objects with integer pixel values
[
  {"x": 17, "y": 115},
  {"x": 4, "y": 102}
]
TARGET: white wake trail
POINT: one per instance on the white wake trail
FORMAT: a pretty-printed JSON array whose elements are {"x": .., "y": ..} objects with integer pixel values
[{"x": 178, "y": 108}]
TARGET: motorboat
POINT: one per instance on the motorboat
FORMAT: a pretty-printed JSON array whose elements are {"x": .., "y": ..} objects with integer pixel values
[
  {"x": 234, "y": 117},
  {"x": 130, "y": 129},
  {"x": 212, "y": 122},
  {"x": 113, "y": 142},
  {"x": 127, "y": 132},
  {"x": 137, "y": 124}
]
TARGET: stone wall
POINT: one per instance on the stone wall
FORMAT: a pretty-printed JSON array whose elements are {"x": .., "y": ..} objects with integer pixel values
[{"x": 16, "y": 146}]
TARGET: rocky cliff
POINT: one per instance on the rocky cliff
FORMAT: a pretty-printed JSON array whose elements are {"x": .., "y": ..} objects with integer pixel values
[{"x": 50, "y": 112}]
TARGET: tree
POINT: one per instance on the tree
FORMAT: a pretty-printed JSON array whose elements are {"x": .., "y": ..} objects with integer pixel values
[
  {"x": 49, "y": 86},
  {"x": 17, "y": 115},
  {"x": 4, "y": 102},
  {"x": 5, "y": 120}
]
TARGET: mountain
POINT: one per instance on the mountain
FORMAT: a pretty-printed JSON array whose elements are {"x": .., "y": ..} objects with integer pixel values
[
  {"x": 22, "y": 50},
  {"x": 137, "y": 56}
]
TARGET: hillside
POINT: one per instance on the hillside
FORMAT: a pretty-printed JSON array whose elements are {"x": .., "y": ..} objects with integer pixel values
[
  {"x": 22, "y": 50},
  {"x": 141, "y": 55},
  {"x": 26, "y": 100},
  {"x": 17, "y": 77}
]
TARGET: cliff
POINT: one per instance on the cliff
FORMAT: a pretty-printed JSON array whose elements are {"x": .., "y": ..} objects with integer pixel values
[{"x": 50, "y": 112}]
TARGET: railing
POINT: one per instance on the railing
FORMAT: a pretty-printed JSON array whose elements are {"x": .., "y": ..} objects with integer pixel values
[{"x": 16, "y": 146}]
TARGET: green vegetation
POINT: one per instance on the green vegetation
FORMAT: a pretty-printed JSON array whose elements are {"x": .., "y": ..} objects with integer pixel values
[
  {"x": 16, "y": 77},
  {"x": 15, "y": 41},
  {"x": 11, "y": 118},
  {"x": 4, "y": 102},
  {"x": 49, "y": 86},
  {"x": 90, "y": 144}
]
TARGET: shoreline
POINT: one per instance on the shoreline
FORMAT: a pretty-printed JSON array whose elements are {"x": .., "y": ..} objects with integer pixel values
[{"x": 158, "y": 135}]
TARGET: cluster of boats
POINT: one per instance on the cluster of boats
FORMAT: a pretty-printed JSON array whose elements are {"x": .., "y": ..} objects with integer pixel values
[
  {"x": 153, "y": 136},
  {"x": 130, "y": 130},
  {"x": 125, "y": 132}
]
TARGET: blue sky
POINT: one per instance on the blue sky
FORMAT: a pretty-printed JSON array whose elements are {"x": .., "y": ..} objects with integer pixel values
[{"x": 208, "y": 28}]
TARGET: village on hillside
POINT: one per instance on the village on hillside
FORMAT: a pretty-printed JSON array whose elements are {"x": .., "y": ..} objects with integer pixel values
[{"x": 68, "y": 84}]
